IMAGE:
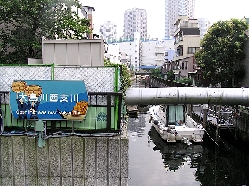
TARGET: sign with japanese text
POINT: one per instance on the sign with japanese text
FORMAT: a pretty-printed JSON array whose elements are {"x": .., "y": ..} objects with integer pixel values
[{"x": 48, "y": 99}]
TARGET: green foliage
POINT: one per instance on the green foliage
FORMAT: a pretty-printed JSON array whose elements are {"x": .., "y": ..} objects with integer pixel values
[
  {"x": 185, "y": 80},
  {"x": 170, "y": 75},
  {"x": 221, "y": 54},
  {"x": 126, "y": 81},
  {"x": 25, "y": 22},
  {"x": 156, "y": 72}
]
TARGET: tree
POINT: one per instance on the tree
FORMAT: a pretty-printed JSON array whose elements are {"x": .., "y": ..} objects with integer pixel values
[
  {"x": 156, "y": 72},
  {"x": 23, "y": 23},
  {"x": 185, "y": 80},
  {"x": 125, "y": 77},
  {"x": 170, "y": 75},
  {"x": 221, "y": 54}
]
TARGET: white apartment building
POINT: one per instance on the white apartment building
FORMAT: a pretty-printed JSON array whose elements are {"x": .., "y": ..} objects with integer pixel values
[
  {"x": 113, "y": 53},
  {"x": 132, "y": 51},
  {"x": 204, "y": 25},
  {"x": 135, "y": 20},
  {"x": 154, "y": 51},
  {"x": 108, "y": 31},
  {"x": 137, "y": 52},
  {"x": 175, "y": 8}
]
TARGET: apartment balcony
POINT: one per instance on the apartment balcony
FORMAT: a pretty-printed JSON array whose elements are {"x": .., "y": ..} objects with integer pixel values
[
  {"x": 159, "y": 52},
  {"x": 179, "y": 52},
  {"x": 159, "y": 59},
  {"x": 178, "y": 41}
]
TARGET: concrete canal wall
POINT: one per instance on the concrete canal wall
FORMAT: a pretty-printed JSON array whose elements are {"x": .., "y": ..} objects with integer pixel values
[
  {"x": 242, "y": 127},
  {"x": 71, "y": 161}
]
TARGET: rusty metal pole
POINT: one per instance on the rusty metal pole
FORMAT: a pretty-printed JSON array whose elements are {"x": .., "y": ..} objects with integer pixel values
[{"x": 189, "y": 109}]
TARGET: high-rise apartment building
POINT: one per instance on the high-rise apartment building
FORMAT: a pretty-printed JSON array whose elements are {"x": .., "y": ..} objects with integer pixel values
[
  {"x": 135, "y": 20},
  {"x": 175, "y": 8},
  {"x": 108, "y": 31},
  {"x": 204, "y": 25}
]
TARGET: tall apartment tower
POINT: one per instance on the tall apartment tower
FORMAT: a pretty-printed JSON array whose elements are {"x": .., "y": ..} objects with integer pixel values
[
  {"x": 135, "y": 20},
  {"x": 108, "y": 31},
  {"x": 175, "y": 8},
  {"x": 204, "y": 25}
]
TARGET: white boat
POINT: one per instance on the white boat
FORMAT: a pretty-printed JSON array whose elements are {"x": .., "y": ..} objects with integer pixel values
[
  {"x": 175, "y": 154},
  {"x": 174, "y": 125}
]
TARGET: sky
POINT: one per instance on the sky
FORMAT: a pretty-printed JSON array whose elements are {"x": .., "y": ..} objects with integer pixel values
[{"x": 113, "y": 10}]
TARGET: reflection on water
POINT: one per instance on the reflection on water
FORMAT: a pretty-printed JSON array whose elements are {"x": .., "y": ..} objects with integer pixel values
[
  {"x": 222, "y": 168},
  {"x": 152, "y": 161},
  {"x": 176, "y": 155}
]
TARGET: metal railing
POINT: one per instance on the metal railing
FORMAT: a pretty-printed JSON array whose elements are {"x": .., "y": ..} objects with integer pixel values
[{"x": 109, "y": 102}]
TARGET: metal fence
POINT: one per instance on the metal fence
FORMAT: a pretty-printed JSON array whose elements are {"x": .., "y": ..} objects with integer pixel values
[
  {"x": 96, "y": 79},
  {"x": 102, "y": 85},
  {"x": 103, "y": 116}
]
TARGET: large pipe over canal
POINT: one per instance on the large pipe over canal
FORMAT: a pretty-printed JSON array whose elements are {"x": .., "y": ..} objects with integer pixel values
[{"x": 187, "y": 95}]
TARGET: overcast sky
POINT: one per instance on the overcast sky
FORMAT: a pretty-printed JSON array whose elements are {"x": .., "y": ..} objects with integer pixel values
[{"x": 113, "y": 10}]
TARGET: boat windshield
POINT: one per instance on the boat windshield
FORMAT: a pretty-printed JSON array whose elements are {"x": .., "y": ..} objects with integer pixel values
[{"x": 175, "y": 114}]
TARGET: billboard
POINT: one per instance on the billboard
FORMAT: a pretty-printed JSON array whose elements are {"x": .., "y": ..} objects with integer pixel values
[{"x": 49, "y": 99}]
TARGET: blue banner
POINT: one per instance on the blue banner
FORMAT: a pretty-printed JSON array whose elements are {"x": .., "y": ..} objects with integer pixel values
[{"x": 49, "y": 99}]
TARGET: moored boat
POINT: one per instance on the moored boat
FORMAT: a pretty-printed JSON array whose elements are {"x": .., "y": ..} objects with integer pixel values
[{"x": 174, "y": 125}]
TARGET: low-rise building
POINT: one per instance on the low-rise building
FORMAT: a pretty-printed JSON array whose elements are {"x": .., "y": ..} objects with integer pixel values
[
  {"x": 139, "y": 52},
  {"x": 187, "y": 42},
  {"x": 157, "y": 52}
]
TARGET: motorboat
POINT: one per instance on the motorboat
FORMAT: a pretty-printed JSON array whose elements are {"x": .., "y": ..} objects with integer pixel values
[
  {"x": 175, "y": 155},
  {"x": 174, "y": 125}
]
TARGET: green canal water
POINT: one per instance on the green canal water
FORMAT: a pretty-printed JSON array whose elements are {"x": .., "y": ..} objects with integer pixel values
[{"x": 152, "y": 162}]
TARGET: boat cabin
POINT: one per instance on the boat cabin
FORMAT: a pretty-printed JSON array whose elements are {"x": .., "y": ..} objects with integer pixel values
[{"x": 175, "y": 115}]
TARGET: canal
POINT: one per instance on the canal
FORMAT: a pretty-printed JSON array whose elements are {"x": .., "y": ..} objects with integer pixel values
[{"x": 152, "y": 162}]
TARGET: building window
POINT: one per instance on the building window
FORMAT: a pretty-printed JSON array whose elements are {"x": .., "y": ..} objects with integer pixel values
[
  {"x": 182, "y": 66},
  {"x": 191, "y": 50}
]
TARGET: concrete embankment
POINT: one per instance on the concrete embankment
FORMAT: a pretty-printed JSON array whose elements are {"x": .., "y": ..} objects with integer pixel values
[{"x": 70, "y": 161}]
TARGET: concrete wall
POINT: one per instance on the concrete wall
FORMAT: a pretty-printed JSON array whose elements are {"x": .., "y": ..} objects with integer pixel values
[
  {"x": 35, "y": 61},
  {"x": 73, "y": 52},
  {"x": 242, "y": 127},
  {"x": 71, "y": 161}
]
